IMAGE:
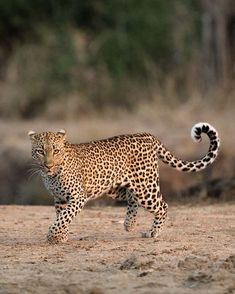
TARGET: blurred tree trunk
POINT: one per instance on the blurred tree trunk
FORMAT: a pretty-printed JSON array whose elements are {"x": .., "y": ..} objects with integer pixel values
[{"x": 218, "y": 32}]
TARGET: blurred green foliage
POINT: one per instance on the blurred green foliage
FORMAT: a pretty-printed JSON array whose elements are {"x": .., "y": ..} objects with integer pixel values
[
  {"x": 100, "y": 50},
  {"x": 131, "y": 35}
]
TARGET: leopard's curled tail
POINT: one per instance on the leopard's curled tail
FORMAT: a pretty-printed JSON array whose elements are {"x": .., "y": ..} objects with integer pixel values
[{"x": 193, "y": 166}]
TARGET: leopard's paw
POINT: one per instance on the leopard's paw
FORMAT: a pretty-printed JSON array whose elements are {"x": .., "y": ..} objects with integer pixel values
[
  {"x": 129, "y": 227},
  {"x": 58, "y": 237},
  {"x": 149, "y": 234}
]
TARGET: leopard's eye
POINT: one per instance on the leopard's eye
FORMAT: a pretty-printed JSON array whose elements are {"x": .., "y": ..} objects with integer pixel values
[
  {"x": 40, "y": 151},
  {"x": 56, "y": 151}
]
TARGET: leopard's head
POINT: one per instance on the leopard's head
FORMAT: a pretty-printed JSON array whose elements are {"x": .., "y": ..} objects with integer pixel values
[{"x": 48, "y": 150}]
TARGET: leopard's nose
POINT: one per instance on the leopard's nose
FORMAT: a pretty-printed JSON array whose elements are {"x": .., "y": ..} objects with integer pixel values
[{"x": 48, "y": 165}]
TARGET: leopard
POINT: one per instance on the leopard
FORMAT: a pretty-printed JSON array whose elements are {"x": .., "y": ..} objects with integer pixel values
[{"x": 124, "y": 167}]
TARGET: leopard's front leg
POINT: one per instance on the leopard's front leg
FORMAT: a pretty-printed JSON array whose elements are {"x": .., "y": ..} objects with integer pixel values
[
  {"x": 59, "y": 205},
  {"x": 58, "y": 232}
]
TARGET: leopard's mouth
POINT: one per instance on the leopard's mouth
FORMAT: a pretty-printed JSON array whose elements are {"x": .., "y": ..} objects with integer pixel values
[{"x": 50, "y": 171}]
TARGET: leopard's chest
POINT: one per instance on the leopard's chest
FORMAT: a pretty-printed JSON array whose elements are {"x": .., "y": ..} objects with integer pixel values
[
  {"x": 62, "y": 185},
  {"x": 53, "y": 185}
]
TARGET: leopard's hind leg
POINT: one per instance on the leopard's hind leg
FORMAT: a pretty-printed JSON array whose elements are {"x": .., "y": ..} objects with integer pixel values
[
  {"x": 146, "y": 191},
  {"x": 124, "y": 193},
  {"x": 150, "y": 198},
  {"x": 131, "y": 213},
  {"x": 160, "y": 213}
]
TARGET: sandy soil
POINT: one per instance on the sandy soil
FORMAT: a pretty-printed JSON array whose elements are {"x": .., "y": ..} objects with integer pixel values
[{"x": 194, "y": 254}]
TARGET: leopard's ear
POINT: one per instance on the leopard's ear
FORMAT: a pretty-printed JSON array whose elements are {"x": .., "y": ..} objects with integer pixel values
[
  {"x": 62, "y": 133},
  {"x": 31, "y": 135}
]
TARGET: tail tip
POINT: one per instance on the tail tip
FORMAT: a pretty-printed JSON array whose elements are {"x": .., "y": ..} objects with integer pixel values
[{"x": 199, "y": 128}]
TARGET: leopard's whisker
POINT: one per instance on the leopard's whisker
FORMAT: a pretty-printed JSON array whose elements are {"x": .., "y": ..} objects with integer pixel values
[{"x": 33, "y": 172}]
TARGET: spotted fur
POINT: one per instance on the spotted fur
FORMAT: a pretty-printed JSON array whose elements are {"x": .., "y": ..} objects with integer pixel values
[{"x": 122, "y": 167}]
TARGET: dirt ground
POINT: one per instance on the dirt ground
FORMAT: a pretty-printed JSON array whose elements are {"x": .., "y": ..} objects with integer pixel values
[{"x": 194, "y": 254}]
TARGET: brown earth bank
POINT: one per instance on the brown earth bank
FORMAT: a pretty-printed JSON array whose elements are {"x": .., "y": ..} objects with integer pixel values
[{"x": 194, "y": 254}]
